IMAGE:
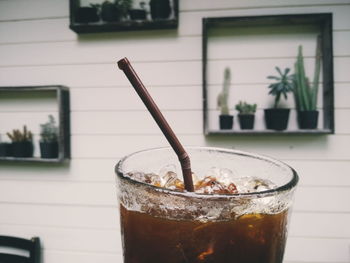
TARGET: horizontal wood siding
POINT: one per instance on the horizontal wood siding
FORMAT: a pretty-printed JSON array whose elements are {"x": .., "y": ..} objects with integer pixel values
[{"x": 72, "y": 207}]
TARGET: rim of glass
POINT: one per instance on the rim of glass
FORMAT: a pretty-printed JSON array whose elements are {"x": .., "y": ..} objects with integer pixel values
[{"x": 287, "y": 186}]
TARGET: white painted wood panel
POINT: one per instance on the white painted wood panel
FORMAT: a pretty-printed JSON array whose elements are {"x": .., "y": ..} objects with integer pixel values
[
  {"x": 309, "y": 250},
  {"x": 154, "y": 73},
  {"x": 313, "y": 199},
  {"x": 286, "y": 147},
  {"x": 328, "y": 173},
  {"x": 57, "y": 29},
  {"x": 303, "y": 224},
  {"x": 73, "y": 207},
  {"x": 69, "y": 240},
  {"x": 35, "y": 9},
  {"x": 238, "y": 45}
]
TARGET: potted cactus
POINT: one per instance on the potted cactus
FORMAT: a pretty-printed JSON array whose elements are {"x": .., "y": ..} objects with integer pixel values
[
  {"x": 246, "y": 115},
  {"x": 225, "y": 119},
  {"x": 49, "y": 139},
  {"x": 277, "y": 118},
  {"x": 22, "y": 142},
  {"x": 305, "y": 94}
]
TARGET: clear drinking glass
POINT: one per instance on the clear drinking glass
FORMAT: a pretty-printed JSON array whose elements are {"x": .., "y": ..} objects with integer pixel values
[{"x": 159, "y": 225}]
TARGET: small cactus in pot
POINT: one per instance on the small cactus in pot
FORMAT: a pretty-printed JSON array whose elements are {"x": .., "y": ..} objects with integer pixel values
[
  {"x": 305, "y": 93},
  {"x": 246, "y": 115},
  {"x": 225, "y": 119}
]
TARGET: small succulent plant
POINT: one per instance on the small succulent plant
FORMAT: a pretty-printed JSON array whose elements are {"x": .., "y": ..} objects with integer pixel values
[
  {"x": 224, "y": 94},
  {"x": 245, "y": 108},
  {"x": 49, "y": 131},
  {"x": 19, "y": 136},
  {"x": 283, "y": 85}
]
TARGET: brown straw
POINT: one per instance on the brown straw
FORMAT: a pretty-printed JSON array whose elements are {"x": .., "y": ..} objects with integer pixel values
[{"x": 184, "y": 159}]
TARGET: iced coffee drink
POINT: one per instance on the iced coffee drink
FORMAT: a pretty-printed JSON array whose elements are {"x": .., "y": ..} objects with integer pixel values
[{"x": 238, "y": 213}]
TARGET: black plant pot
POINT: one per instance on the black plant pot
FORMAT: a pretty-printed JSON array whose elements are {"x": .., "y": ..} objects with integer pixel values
[
  {"x": 246, "y": 121},
  {"x": 226, "y": 122},
  {"x": 160, "y": 9},
  {"x": 276, "y": 119},
  {"x": 5, "y": 149},
  {"x": 110, "y": 13},
  {"x": 22, "y": 149},
  {"x": 308, "y": 119},
  {"x": 49, "y": 150},
  {"x": 86, "y": 15},
  {"x": 137, "y": 14}
]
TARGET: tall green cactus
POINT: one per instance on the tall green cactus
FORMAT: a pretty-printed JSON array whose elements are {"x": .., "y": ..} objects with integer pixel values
[
  {"x": 224, "y": 94},
  {"x": 306, "y": 94}
]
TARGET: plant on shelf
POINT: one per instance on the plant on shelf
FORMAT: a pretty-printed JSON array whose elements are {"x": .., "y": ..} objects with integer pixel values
[
  {"x": 305, "y": 93},
  {"x": 22, "y": 142},
  {"x": 5, "y": 149},
  {"x": 49, "y": 139},
  {"x": 246, "y": 115},
  {"x": 225, "y": 119},
  {"x": 138, "y": 13},
  {"x": 87, "y": 14},
  {"x": 160, "y": 9},
  {"x": 115, "y": 11},
  {"x": 276, "y": 118}
]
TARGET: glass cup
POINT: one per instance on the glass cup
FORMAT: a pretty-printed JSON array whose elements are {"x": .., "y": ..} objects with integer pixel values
[{"x": 160, "y": 225}]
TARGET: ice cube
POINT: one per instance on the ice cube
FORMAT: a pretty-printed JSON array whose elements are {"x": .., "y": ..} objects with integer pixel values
[
  {"x": 138, "y": 176},
  {"x": 223, "y": 175},
  {"x": 248, "y": 185},
  {"x": 152, "y": 179}
]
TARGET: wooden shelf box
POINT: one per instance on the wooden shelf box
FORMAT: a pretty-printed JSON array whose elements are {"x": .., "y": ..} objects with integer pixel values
[
  {"x": 31, "y": 105},
  {"x": 252, "y": 46}
]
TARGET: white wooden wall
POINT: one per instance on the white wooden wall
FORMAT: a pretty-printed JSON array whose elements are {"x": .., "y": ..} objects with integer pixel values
[{"x": 73, "y": 207}]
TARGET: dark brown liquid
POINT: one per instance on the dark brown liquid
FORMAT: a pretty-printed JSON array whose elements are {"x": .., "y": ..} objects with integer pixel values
[{"x": 253, "y": 238}]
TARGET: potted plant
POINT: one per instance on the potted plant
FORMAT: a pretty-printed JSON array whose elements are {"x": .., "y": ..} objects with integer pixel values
[
  {"x": 87, "y": 14},
  {"x": 22, "y": 142},
  {"x": 246, "y": 115},
  {"x": 5, "y": 149},
  {"x": 305, "y": 94},
  {"x": 138, "y": 13},
  {"x": 49, "y": 139},
  {"x": 160, "y": 9},
  {"x": 115, "y": 11},
  {"x": 277, "y": 118},
  {"x": 225, "y": 119}
]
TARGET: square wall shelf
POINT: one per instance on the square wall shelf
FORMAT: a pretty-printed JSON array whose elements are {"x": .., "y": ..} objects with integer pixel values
[
  {"x": 252, "y": 46},
  {"x": 31, "y": 105},
  {"x": 90, "y": 17}
]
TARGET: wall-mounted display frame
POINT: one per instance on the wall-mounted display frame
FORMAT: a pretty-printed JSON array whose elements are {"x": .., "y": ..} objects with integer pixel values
[
  {"x": 217, "y": 27},
  {"x": 99, "y": 16},
  {"x": 30, "y": 95}
]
